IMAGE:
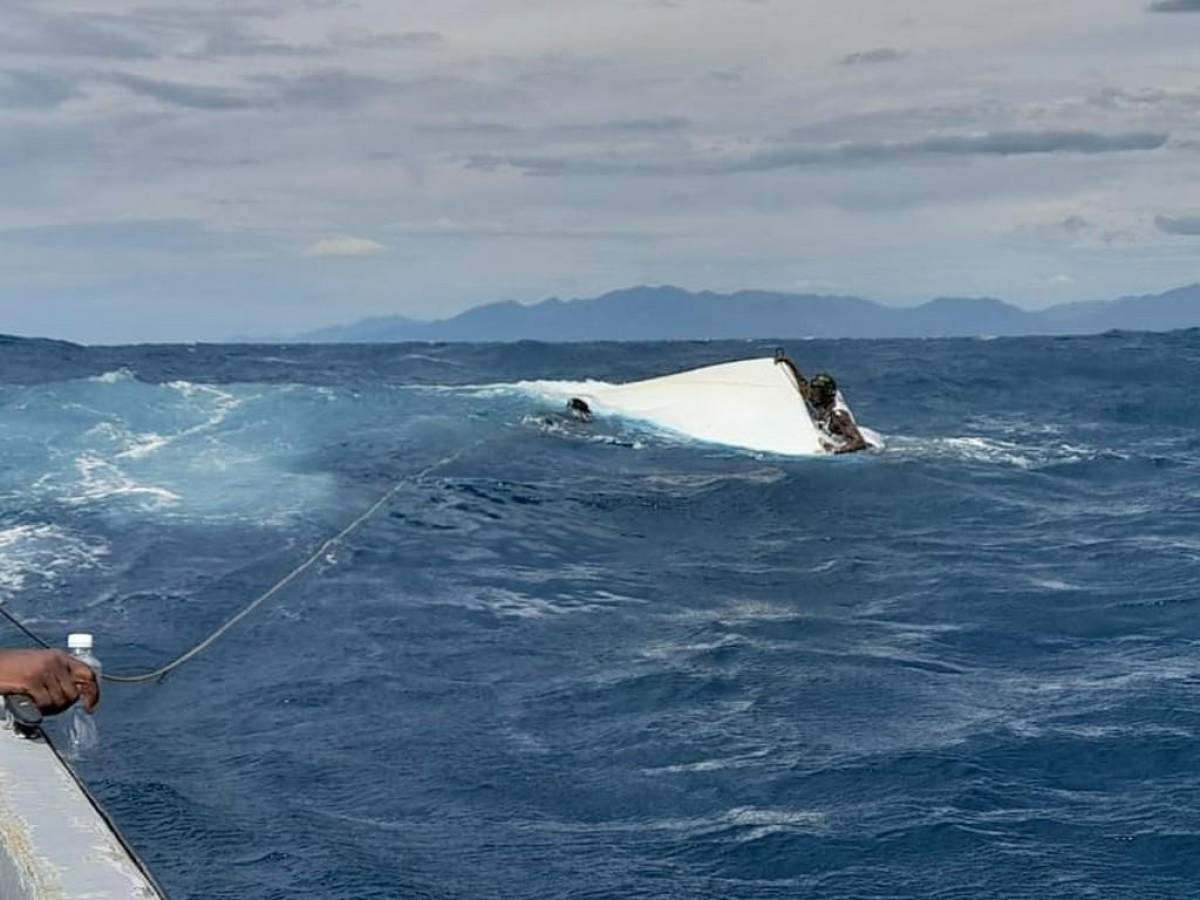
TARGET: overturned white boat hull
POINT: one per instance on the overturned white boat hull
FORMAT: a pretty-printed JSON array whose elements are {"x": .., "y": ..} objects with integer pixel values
[{"x": 754, "y": 404}]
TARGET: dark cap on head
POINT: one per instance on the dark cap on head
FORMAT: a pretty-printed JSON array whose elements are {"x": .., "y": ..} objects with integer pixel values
[{"x": 823, "y": 383}]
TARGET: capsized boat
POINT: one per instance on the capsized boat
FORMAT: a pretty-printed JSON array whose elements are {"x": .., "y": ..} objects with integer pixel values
[{"x": 754, "y": 404}]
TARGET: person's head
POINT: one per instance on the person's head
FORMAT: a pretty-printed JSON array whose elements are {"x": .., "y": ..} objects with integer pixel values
[
  {"x": 823, "y": 389},
  {"x": 579, "y": 409}
]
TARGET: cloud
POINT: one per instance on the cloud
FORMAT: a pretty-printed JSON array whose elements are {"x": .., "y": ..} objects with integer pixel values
[
  {"x": 1186, "y": 225},
  {"x": 329, "y": 88},
  {"x": 25, "y": 151},
  {"x": 1054, "y": 281},
  {"x": 198, "y": 161},
  {"x": 409, "y": 40},
  {"x": 38, "y": 90},
  {"x": 933, "y": 160},
  {"x": 1173, "y": 6},
  {"x": 655, "y": 125},
  {"x": 487, "y": 129},
  {"x": 879, "y": 55},
  {"x": 214, "y": 30},
  {"x": 346, "y": 247},
  {"x": 426, "y": 95},
  {"x": 650, "y": 126},
  {"x": 40, "y": 34},
  {"x": 225, "y": 38},
  {"x": 323, "y": 88},
  {"x": 491, "y": 229},
  {"x": 820, "y": 286},
  {"x": 171, "y": 236},
  {"x": 1000, "y": 144},
  {"x": 1116, "y": 98},
  {"x": 175, "y": 93}
]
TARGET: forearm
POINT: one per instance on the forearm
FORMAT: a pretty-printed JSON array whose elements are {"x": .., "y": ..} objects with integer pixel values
[
  {"x": 51, "y": 678},
  {"x": 797, "y": 375},
  {"x": 852, "y": 439},
  {"x": 14, "y": 676},
  {"x": 853, "y": 445}
]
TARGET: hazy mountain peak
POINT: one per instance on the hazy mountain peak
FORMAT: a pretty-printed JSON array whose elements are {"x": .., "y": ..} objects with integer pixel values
[{"x": 667, "y": 312}]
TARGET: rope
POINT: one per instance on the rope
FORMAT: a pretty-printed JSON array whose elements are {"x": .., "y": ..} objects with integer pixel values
[
  {"x": 21, "y": 625},
  {"x": 163, "y": 671}
]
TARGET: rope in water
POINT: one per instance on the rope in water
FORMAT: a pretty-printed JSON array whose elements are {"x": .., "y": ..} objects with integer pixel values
[{"x": 163, "y": 671}]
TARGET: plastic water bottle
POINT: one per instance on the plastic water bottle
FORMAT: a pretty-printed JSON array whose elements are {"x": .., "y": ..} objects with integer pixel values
[{"x": 82, "y": 735}]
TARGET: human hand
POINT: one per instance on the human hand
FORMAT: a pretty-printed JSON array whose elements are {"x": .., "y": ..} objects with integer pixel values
[{"x": 52, "y": 679}]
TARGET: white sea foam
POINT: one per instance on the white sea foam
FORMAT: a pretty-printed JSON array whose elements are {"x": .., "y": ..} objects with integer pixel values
[
  {"x": 193, "y": 450},
  {"x": 1014, "y": 425},
  {"x": 992, "y": 451},
  {"x": 192, "y": 389},
  {"x": 144, "y": 444},
  {"x": 1053, "y": 584},
  {"x": 515, "y": 604},
  {"x": 670, "y": 650},
  {"x": 123, "y": 441},
  {"x": 102, "y": 480},
  {"x": 424, "y": 357},
  {"x": 705, "y": 765},
  {"x": 123, "y": 434},
  {"x": 677, "y": 482},
  {"x": 566, "y": 430},
  {"x": 761, "y": 822},
  {"x": 547, "y": 389},
  {"x": 558, "y": 390},
  {"x": 44, "y": 551},
  {"x": 221, "y": 405},
  {"x": 116, "y": 376}
]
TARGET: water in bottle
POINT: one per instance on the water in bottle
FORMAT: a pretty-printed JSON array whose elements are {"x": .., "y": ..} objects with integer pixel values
[{"x": 82, "y": 736}]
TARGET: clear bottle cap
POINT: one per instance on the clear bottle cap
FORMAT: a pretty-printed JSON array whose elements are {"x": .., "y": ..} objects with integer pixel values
[{"x": 79, "y": 641}]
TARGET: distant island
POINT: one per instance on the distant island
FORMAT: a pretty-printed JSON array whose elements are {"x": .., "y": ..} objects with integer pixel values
[{"x": 671, "y": 313}]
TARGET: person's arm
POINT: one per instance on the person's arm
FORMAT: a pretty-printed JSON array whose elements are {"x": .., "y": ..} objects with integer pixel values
[
  {"x": 801, "y": 382},
  {"x": 842, "y": 424},
  {"x": 52, "y": 679}
]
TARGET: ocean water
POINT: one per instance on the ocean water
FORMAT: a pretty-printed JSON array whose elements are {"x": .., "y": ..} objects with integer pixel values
[{"x": 605, "y": 662}]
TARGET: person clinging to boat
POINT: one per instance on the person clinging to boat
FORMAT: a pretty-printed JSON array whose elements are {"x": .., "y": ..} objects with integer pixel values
[
  {"x": 829, "y": 413},
  {"x": 52, "y": 679},
  {"x": 830, "y": 416}
]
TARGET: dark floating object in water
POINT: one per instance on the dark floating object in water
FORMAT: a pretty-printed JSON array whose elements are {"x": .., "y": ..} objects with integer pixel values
[{"x": 578, "y": 409}]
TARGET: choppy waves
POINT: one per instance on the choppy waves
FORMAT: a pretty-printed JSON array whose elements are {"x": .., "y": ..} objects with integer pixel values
[
  {"x": 44, "y": 552},
  {"x": 600, "y": 661},
  {"x": 121, "y": 446}
]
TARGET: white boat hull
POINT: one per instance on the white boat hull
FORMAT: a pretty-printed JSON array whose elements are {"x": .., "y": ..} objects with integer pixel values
[{"x": 754, "y": 404}]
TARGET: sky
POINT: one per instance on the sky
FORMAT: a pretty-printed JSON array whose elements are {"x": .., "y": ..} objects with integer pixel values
[{"x": 203, "y": 169}]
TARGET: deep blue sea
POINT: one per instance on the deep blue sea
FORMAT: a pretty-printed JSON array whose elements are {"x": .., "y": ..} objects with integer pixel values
[{"x": 601, "y": 661}]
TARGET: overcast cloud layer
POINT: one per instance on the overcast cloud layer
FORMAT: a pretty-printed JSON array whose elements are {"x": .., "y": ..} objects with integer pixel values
[{"x": 195, "y": 170}]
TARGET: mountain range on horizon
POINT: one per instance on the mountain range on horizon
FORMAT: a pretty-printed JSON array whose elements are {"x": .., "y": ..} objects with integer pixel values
[{"x": 669, "y": 313}]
